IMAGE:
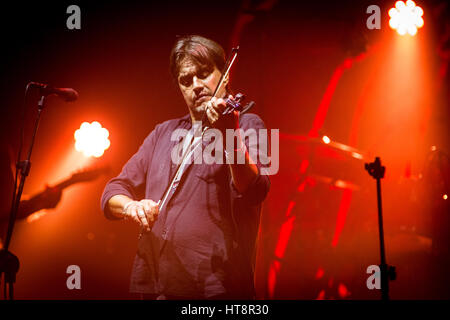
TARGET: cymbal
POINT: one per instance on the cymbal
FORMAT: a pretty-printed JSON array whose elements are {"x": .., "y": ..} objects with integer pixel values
[
  {"x": 337, "y": 183},
  {"x": 407, "y": 243},
  {"x": 326, "y": 143}
]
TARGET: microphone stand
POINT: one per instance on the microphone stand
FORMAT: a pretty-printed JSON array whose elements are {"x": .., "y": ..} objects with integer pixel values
[
  {"x": 9, "y": 263},
  {"x": 376, "y": 170}
]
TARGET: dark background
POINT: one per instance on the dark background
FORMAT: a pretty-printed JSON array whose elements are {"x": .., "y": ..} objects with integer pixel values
[{"x": 289, "y": 51}]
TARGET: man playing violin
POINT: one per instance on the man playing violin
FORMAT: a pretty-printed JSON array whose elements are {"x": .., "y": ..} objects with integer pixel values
[{"x": 201, "y": 244}]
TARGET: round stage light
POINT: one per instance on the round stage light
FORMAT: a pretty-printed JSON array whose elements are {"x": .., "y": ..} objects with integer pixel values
[
  {"x": 91, "y": 139},
  {"x": 326, "y": 140},
  {"x": 406, "y": 17}
]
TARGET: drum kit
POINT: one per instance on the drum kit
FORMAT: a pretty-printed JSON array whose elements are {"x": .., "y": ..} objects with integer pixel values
[
  {"x": 341, "y": 167},
  {"x": 322, "y": 174}
]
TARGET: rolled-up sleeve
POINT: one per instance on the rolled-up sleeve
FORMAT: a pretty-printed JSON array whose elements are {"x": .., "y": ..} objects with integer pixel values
[{"x": 133, "y": 175}]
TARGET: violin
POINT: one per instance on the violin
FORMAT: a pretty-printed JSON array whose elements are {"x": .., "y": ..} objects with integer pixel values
[{"x": 236, "y": 105}]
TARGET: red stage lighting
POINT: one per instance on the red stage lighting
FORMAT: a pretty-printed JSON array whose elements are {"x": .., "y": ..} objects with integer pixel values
[
  {"x": 406, "y": 17},
  {"x": 91, "y": 139}
]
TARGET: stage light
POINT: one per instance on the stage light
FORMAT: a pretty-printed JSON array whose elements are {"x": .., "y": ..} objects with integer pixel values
[
  {"x": 326, "y": 140},
  {"x": 445, "y": 197},
  {"x": 406, "y": 17},
  {"x": 91, "y": 139},
  {"x": 319, "y": 274}
]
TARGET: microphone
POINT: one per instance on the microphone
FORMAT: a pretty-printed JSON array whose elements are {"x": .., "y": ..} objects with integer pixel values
[{"x": 67, "y": 94}]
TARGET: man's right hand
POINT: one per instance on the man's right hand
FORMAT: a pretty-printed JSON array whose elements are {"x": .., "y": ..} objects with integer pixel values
[{"x": 144, "y": 212}]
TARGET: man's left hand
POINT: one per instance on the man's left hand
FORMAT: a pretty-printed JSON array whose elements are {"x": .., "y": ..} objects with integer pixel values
[{"x": 214, "y": 110}]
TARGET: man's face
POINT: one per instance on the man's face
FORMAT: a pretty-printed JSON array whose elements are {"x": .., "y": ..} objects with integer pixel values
[{"x": 197, "y": 84}]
